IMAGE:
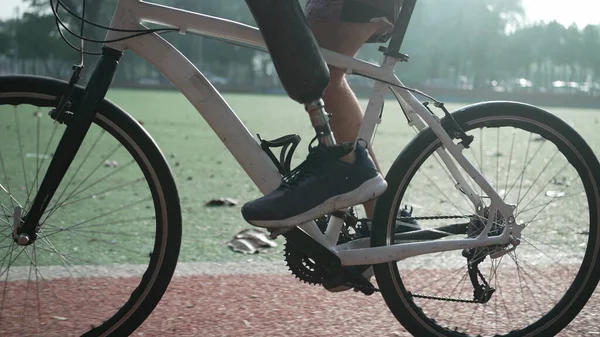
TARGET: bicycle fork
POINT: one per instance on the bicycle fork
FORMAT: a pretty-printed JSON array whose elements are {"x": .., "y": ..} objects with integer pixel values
[{"x": 24, "y": 231}]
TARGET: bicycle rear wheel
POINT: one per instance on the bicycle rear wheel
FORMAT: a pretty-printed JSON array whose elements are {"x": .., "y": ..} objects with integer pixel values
[
  {"x": 536, "y": 162},
  {"x": 107, "y": 245}
]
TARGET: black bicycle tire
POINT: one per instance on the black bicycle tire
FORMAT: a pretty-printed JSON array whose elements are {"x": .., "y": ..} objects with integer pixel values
[
  {"x": 44, "y": 91},
  {"x": 402, "y": 171}
]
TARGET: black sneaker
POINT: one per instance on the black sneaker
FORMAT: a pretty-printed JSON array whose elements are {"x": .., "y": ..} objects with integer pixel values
[{"x": 320, "y": 185}]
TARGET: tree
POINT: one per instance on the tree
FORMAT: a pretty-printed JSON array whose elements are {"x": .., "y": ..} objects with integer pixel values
[
  {"x": 7, "y": 37},
  {"x": 482, "y": 40},
  {"x": 97, "y": 11},
  {"x": 590, "y": 50},
  {"x": 42, "y": 41}
]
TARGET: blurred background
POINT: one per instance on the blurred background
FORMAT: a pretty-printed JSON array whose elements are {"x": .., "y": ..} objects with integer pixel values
[{"x": 536, "y": 51}]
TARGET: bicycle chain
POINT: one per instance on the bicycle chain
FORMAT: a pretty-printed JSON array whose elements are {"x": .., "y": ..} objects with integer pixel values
[
  {"x": 442, "y": 298},
  {"x": 371, "y": 289},
  {"x": 448, "y": 298},
  {"x": 445, "y": 298},
  {"x": 435, "y": 217},
  {"x": 358, "y": 287}
]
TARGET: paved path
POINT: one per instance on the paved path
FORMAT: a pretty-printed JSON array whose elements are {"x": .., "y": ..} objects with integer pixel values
[{"x": 233, "y": 299}]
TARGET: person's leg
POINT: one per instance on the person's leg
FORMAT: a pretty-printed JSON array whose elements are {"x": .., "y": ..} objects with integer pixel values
[
  {"x": 324, "y": 182},
  {"x": 345, "y": 38}
]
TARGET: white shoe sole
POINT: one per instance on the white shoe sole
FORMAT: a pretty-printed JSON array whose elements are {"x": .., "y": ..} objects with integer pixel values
[{"x": 368, "y": 190}]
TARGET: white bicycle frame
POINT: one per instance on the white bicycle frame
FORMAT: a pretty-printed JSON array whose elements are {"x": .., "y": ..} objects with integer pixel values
[{"x": 130, "y": 14}]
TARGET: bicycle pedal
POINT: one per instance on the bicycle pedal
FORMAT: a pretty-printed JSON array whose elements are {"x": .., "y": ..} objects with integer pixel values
[
  {"x": 274, "y": 233},
  {"x": 352, "y": 277}
]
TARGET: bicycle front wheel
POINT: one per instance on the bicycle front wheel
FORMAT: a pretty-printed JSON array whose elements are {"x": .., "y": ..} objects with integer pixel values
[
  {"x": 107, "y": 245},
  {"x": 539, "y": 164}
]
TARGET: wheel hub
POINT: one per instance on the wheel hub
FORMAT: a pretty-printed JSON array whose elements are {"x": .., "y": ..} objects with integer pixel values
[
  {"x": 494, "y": 251},
  {"x": 21, "y": 238}
]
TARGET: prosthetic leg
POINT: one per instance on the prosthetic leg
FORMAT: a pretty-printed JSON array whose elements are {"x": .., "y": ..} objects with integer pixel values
[
  {"x": 333, "y": 176},
  {"x": 298, "y": 61}
]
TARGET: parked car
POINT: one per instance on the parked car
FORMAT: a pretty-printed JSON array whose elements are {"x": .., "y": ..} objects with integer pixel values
[{"x": 563, "y": 87}]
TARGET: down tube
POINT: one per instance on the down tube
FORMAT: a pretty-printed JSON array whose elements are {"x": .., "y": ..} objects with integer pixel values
[{"x": 211, "y": 105}]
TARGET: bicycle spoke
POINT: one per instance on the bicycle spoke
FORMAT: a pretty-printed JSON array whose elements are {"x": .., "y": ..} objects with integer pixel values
[
  {"x": 497, "y": 158},
  {"x": 95, "y": 195},
  {"x": 77, "y": 260},
  {"x": 35, "y": 185},
  {"x": 85, "y": 157},
  {"x": 556, "y": 261},
  {"x": 7, "y": 191},
  {"x": 24, "y": 312},
  {"x": 498, "y": 287},
  {"x": 5, "y": 286},
  {"x": 92, "y": 236},
  {"x": 124, "y": 207},
  {"x": 99, "y": 216},
  {"x": 534, "y": 280},
  {"x": 522, "y": 283},
  {"x": 33, "y": 268},
  {"x": 481, "y": 170},
  {"x": 10, "y": 261},
  {"x": 510, "y": 159},
  {"x": 62, "y": 257},
  {"x": 76, "y": 192},
  {"x": 538, "y": 213},
  {"x": 449, "y": 175},
  {"x": 461, "y": 283},
  {"x": 44, "y": 156},
  {"x": 443, "y": 194},
  {"x": 6, "y": 221},
  {"x": 521, "y": 175},
  {"x": 538, "y": 177},
  {"x": 37, "y": 150},
  {"x": 21, "y": 153},
  {"x": 39, "y": 275},
  {"x": 444, "y": 278},
  {"x": 54, "y": 229},
  {"x": 543, "y": 206},
  {"x": 522, "y": 164}
]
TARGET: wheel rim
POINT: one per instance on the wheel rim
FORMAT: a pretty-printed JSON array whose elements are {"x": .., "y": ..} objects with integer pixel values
[
  {"x": 103, "y": 222},
  {"x": 539, "y": 272}
]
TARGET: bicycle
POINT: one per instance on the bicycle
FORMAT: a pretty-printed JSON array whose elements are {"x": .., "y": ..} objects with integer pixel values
[{"x": 488, "y": 227}]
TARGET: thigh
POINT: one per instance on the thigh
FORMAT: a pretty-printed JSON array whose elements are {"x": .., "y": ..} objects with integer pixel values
[
  {"x": 361, "y": 14},
  {"x": 343, "y": 37}
]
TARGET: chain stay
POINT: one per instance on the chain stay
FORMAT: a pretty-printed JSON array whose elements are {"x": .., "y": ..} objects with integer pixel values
[
  {"x": 439, "y": 298},
  {"x": 358, "y": 287}
]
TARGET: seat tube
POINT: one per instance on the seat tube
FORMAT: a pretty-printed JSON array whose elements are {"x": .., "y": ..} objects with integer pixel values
[{"x": 77, "y": 127}]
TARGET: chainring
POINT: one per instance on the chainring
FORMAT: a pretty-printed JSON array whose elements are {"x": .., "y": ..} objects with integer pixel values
[
  {"x": 308, "y": 270},
  {"x": 302, "y": 266},
  {"x": 354, "y": 228}
]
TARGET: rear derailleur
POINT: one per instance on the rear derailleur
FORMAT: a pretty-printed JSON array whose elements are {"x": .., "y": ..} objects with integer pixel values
[{"x": 482, "y": 291}]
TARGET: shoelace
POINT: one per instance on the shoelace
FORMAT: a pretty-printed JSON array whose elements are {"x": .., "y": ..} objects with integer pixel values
[
  {"x": 316, "y": 157},
  {"x": 305, "y": 169}
]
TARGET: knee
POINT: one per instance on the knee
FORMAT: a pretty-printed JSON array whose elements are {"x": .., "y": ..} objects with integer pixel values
[{"x": 337, "y": 77}]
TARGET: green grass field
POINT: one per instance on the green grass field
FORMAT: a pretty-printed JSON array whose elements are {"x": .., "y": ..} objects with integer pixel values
[
  {"x": 186, "y": 139},
  {"x": 204, "y": 169}
]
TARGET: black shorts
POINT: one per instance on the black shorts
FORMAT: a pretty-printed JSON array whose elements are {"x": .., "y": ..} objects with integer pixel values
[{"x": 359, "y": 11}]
